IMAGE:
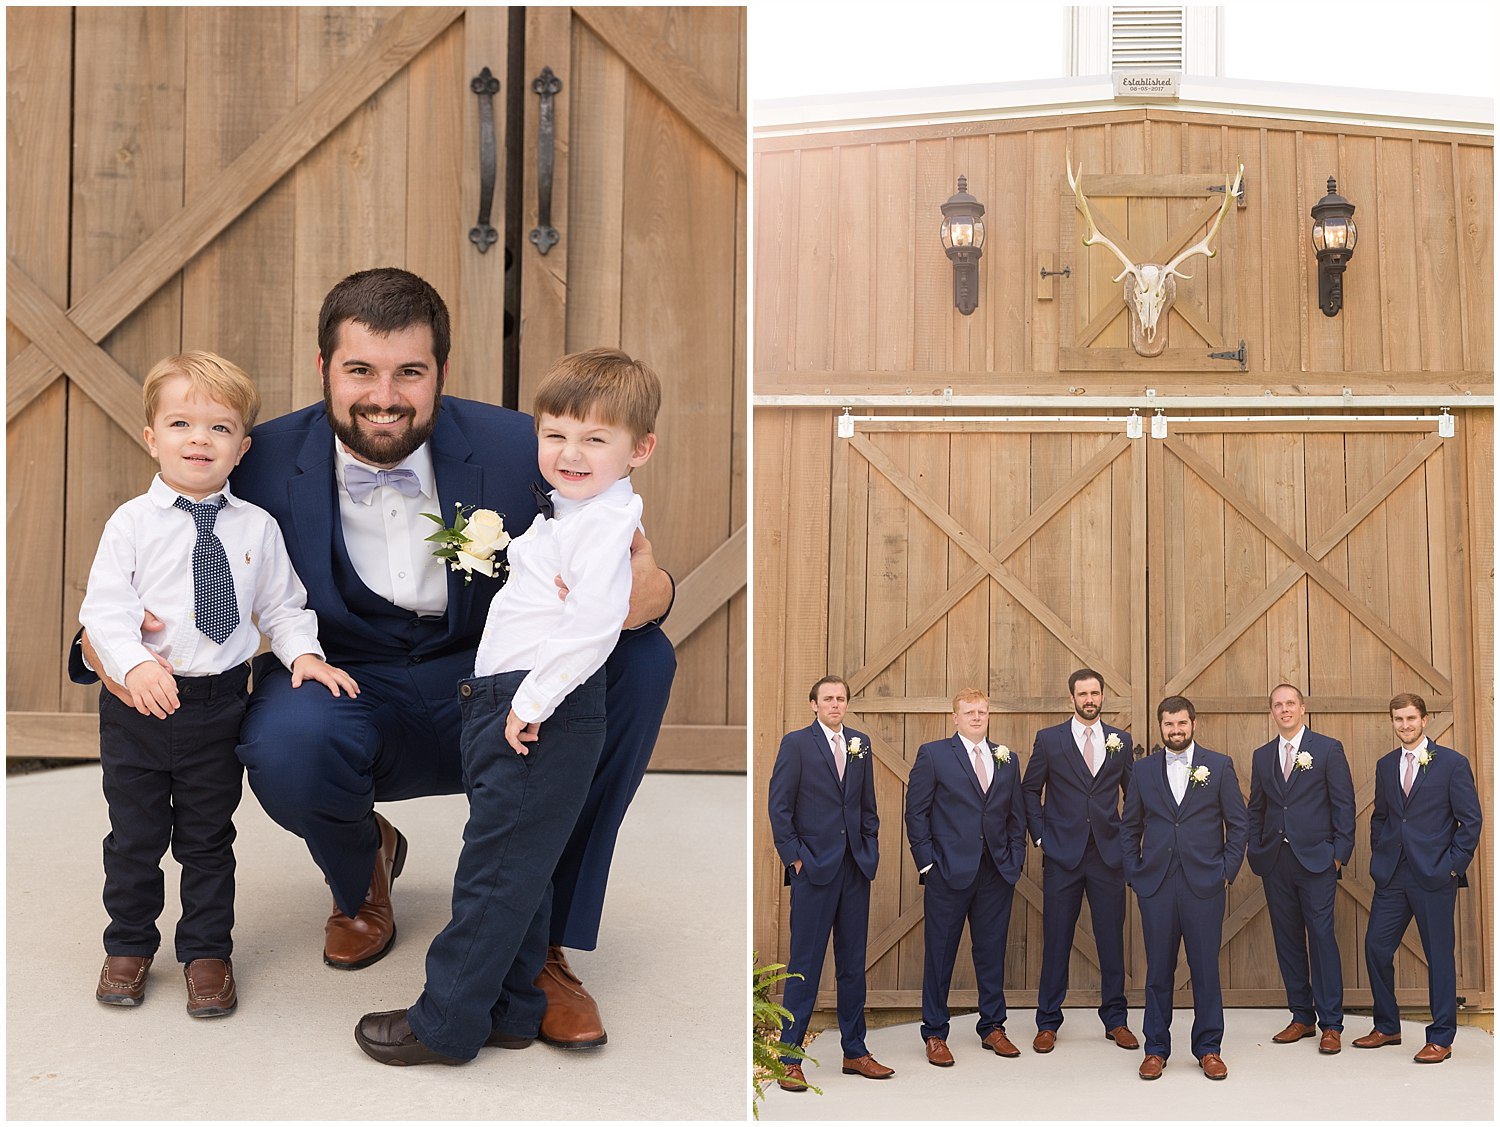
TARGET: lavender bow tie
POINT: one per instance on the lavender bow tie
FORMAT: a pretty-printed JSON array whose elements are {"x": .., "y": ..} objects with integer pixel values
[
  {"x": 361, "y": 481},
  {"x": 1177, "y": 757}
]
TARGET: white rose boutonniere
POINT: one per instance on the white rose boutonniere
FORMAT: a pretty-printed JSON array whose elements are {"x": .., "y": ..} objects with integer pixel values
[
  {"x": 1198, "y": 776},
  {"x": 1302, "y": 761},
  {"x": 470, "y": 543},
  {"x": 1424, "y": 757},
  {"x": 1113, "y": 744},
  {"x": 1001, "y": 753},
  {"x": 856, "y": 748}
]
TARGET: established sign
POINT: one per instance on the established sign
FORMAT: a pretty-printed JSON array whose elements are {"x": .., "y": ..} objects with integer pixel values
[{"x": 1144, "y": 84}]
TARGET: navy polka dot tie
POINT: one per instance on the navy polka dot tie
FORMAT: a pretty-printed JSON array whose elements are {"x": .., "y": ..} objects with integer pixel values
[{"x": 213, "y": 586}]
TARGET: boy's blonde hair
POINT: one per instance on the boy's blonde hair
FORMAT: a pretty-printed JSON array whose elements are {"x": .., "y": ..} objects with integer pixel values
[
  {"x": 221, "y": 380},
  {"x": 603, "y": 381}
]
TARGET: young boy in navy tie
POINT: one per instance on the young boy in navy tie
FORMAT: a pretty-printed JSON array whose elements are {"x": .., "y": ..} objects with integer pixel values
[
  {"x": 533, "y": 717},
  {"x": 212, "y": 568}
]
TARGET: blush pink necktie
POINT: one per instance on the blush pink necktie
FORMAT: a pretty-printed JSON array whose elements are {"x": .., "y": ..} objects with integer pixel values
[
  {"x": 1409, "y": 773},
  {"x": 979, "y": 769},
  {"x": 1088, "y": 750},
  {"x": 838, "y": 754},
  {"x": 1286, "y": 766}
]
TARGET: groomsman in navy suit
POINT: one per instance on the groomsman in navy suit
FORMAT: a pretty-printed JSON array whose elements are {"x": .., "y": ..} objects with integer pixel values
[
  {"x": 1077, "y": 772},
  {"x": 1422, "y": 837},
  {"x": 1301, "y": 837},
  {"x": 966, "y": 822},
  {"x": 824, "y": 825},
  {"x": 1182, "y": 841}
]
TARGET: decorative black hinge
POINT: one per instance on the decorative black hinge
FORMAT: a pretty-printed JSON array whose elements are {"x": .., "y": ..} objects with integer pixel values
[
  {"x": 1241, "y": 355},
  {"x": 1239, "y": 197}
]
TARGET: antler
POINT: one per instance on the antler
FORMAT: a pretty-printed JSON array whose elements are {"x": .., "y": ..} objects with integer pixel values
[
  {"x": 1202, "y": 245},
  {"x": 1093, "y": 234}
]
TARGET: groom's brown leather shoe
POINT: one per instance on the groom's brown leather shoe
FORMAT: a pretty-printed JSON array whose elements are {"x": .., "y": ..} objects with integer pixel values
[
  {"x": 868, "y": 1067},
  {"x": 793, "y": 1081},
  {"x": 998, "y": 1043},
  {"x": 1294, "y": 1033},
  {"x": 1151, "y": 1067},
  {"x": 122, "y": 980},
  {"x": 1376, "y": 1039},
  {"x": 572, "y": 1019},
  {"x": 352, "y": 943},
  {"x": 387, "y": 1037},
  {"x": 1433, "y": 1054}
]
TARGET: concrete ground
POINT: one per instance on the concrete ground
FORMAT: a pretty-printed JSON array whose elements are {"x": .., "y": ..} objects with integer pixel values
[
  {"x": 670, "y": 975},
  {"x": 1087, "y": 1077}
]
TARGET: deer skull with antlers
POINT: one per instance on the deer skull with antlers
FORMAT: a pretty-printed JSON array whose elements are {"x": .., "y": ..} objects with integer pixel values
[{"x": 1150, "y": 288}]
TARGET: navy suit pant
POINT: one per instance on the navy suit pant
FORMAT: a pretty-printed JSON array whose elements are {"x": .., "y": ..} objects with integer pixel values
[
  {"x": 1172, "y": 918},
  {"x": 840, "y": 907},
  {"x": 986, "y": 905},
  {"x": 1307, "y": 950},
  {"x": 172, "y": 781},
  {"x": 318, "y": 763},
  {"x": 1063, "y": 891},
  {"x": 482, "y": 967},
  {"x": 1395, "y": 905}
]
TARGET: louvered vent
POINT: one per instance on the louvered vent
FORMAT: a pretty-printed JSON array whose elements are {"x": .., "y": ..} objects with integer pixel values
[{"x": 1145, "y": 39}]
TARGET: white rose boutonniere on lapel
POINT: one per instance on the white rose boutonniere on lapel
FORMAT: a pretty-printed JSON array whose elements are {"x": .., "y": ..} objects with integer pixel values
[
  {"x": 1198, "y": 776},
  {"x": 1113, "y": 744},
  {"x": 1001, "y": 753},
  {"x": 855, "y": 748},
  {"x": 1424, "y": 757},
  {"x": 1303, "y": 761},
  {"x": 469, "y": 544}
]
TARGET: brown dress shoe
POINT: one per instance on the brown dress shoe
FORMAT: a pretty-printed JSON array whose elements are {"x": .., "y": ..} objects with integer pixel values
[
  {"x": 506, "y": 1041},
  {"x": 210, "y": 988},
  {"x": 868, "y": 1067},
  {"x": 1044, "y": 1041},
  {"x": 793, "y": 1081},
  {"x": 1151, "y": 1067},
  {"x": 1122, "y": 1036},
  {"x": 1433, "y": 1054},
  {"x": 998, "y": 1043},
  {"x": 1294, "y": 1033},
  {"x": 1329, "y": 1044},
  {"x": 387, "y": 1037},
  {"x": 122, "y": 980},
  {"x": 1213, "y": 1066},
  {"x": 937, "y": 1052},
  {"x": 350, "y": 943},
  {"x": 1376, "y": 1039},
  {"x": 572, "y": 1019}
]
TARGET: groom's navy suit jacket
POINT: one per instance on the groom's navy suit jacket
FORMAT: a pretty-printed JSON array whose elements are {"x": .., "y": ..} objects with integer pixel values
[
  {"x": 1436, "y": 827},
  {"x": 1077, "y": 805},
  {"x": 951, "y": 823},
  {"x": 1312, "y": 812},
  {"x": 1205, "y": 835},
  {"x": 815, "y": 819}
]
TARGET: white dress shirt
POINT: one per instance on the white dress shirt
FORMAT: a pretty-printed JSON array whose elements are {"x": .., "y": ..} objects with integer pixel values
[
  {"x": 145, "y": 559},
  {"x": 987, "y": 761},
  {"x": 386, "y": 535},
  {"x": 1282, "y": 741},
  {"x": 1177, "y": 773},
  {"x": 833, "y": 750},
  {"x": 1098, "y": 726},
  {"x": 562, "y": 642}
]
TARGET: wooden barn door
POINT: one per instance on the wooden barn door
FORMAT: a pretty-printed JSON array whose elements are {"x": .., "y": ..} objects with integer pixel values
[
  {"x": 1330, "y": 555},
  {"x": 199, "y": 177}
]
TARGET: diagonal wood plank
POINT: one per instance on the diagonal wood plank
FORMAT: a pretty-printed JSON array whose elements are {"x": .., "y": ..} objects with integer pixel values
[
  {"x": 1335, "y": 535},
  {"x": 229, "y": 194},
  {"x": 709, "y": 586},
  {"x": 1314, "y": 569},
  {"x": 939, "y": 516},
  {"x": 94, "y": 370},
  {"x": 676, "y": 81}
]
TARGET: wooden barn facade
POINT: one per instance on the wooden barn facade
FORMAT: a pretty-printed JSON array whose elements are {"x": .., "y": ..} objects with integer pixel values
[
  {"x": 199, "y": 177},
  {"x": 1299, "y": 511}
]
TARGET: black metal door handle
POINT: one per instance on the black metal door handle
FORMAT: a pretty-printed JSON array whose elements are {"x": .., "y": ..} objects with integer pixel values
[
  {"x": 544, "y": 235},
  {"x": 486, "y": 85}
]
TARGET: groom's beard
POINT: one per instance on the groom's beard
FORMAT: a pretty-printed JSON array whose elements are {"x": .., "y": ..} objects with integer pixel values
[{"x": 379, "y": 448}]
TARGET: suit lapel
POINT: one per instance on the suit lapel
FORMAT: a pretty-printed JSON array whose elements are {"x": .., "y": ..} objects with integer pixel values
[
  {"x": 823, "y": 749},
  {"x": 459, "y": 481},
  {"x": 966, "y": 765},
  {"x": 315, "y": 511}
]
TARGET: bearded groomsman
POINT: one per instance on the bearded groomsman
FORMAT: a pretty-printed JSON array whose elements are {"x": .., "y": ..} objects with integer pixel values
[
  {"x": 1077, "y": 773},
  {"x": 1183, "y": 840},
  {"x": 1422, "y": 837},
  {"x": 823, "y": 821},
  {"x": 966, "y": 822},
  {"x": 1301, "y": 837}
]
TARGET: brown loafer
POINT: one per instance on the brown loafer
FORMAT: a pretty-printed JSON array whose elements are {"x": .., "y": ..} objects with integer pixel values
[
  {"x": 938, "y": 1054},
  {"x": 1329, "y": 1044},
  {"x": 1044, "y": 1041},
  {"x": 793, "y": 1081},
  {"x": 1213, "y": 1066},
  {"x": 350, "y": 943},
  {"x": 210, "y": 988},
  {"x": 1122, "y": 1036},
  {"x": 1433, "y": 1054},
  {"x": 1376, "y": 1039},
  {"x": 1151, "y": 1067},
  {"x": 572, "y": 1019},
  {"x": 1294, "y": 1033},
  {"x": 122, "y": 980},
  {"x": 998, "y": 1043},
  {"x": 868, "y": 1067},
  {"x": 387, "y": 1037}
]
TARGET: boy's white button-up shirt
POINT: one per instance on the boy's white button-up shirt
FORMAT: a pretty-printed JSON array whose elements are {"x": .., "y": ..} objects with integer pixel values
[
  {"x": 145, "y": 561},
  {"x": 562, "y": 642}
]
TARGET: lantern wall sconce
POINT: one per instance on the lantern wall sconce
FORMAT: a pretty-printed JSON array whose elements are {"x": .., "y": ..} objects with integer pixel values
[
  {"x": 963, "y": 241},
  {"x": 1333, "y": 237}
]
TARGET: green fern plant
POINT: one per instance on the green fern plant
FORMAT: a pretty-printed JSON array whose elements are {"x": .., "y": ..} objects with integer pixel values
[{"x": 766, "y": 1018}]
